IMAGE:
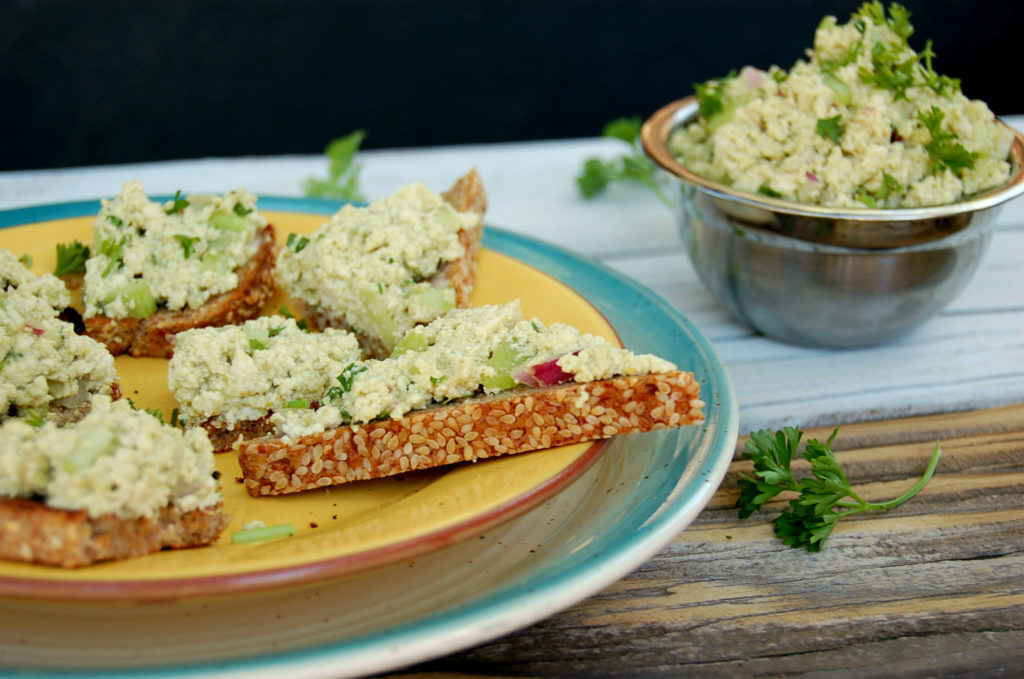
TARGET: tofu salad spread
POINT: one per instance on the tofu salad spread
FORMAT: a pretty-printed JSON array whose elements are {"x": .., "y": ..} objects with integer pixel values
[
  {"x": 864, "y": 121},
  {"x": 43, "y": 363},
  {"x": 116, "y": 460},
  {"x": 237, "y": 373},
  {"x": 485, "y": 349},
  {"x": 173, "y": 255},
  {"x": 369, "y": 268}
]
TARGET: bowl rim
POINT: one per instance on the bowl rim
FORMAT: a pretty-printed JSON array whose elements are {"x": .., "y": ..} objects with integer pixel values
[{"x": 654, "y": 135}]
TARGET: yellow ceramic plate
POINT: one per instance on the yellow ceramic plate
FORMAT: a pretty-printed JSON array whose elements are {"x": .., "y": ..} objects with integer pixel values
[{"x": 339, "y": 530}]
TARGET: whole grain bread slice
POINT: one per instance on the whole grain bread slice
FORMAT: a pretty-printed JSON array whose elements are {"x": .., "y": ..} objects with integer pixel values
[
  {"x": 153, "y": 335},
  {"x": 35, "y": 533},
  {"x": 510, "y": 422},
  {"x": 467, "y": 194}
]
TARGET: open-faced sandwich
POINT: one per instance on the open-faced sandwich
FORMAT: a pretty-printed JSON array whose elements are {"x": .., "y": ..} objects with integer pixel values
[
  {"x": 159, "y": 268},
  {"x": 475, "y": 383},
  {"x": 116, "y": 484},
  {"x": 47, "y": 371},
  {"x": 228, "y": 380},
  {"x": 380, "y": 270}
]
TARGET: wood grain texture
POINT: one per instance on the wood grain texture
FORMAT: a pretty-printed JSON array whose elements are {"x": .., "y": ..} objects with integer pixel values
[{"x": 932, "y": 588}]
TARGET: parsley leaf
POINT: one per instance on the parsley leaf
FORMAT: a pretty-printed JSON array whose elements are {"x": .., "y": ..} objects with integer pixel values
[
  {"x": 766, "y": 190},
  {"x": 71, "y": 258},
  {"x": 302, "y": 324},
  {"x": 633, "y": 166},
  {"x": 822, "y": 499},
  {"x": 830, "y": 128},
  {"x": 35, "y": 417},
  {"x": 188, "y": 243},
  {"x": 296, "y": 243},
  {"x": 710, "y": 95},
  {"x": 177, "y": 205},
  {"x": 342, "y": 173},
  {"x": 944, "y": 151},
  {"x": 112, "y": 250}
]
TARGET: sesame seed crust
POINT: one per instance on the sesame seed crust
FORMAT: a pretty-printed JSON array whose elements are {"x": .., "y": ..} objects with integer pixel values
[{"x": 511, "y": 422}]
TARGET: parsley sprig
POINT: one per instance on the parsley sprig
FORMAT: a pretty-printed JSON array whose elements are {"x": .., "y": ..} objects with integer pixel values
[
  {"x": 944, "y": 151},
  {"x": 71, "y": 258},
  {"x": 342, "y": 181},
  {"x": 823, "y": 498},
  {"x": 633, "y": 166}
]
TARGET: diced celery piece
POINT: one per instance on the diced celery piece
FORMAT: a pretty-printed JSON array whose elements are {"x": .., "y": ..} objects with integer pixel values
[
  {"x": 228, "y": 221},
  {"x": 93, "y": 443},
  {"x": 439, "y": 299},
  {"x": 414, "y": 340},
  {"x": 256, "y": 332},
  {"x": 445, "y": 216},
  {"x": 216, "y": 261},
  {"x": 138, "y": 298},
  {"x": 503, "y": 359},
  {"x": 377, "y": 309},
  {"x": 281, "y": 530},
  {"x": 840, "y": 90}
]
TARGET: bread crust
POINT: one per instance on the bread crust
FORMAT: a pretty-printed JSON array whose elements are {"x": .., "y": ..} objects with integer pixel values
[
  {"x": 154, "y": 335},
  {"x": 467, "y": 194},
  {"x": 35, "y": 533},
  {"x": 516, "y": 421}
]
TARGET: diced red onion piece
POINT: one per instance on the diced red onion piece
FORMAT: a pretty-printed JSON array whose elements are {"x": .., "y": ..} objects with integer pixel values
[{"x": 812, "y": 177}]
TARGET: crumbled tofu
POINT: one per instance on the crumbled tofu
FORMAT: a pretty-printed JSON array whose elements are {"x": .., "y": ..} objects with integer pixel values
[
  {"x": 43, "y": 363},
  {"x": 48, "y": 288},
  {"x": 840, "y": 128},
  {"x": 369, "y": 268},
  {"x": 116, "y": 460},
  {"x": 173, "y": 255},
  {"x": 237, "y": 373},
  {"x": 467, "y": 351}
]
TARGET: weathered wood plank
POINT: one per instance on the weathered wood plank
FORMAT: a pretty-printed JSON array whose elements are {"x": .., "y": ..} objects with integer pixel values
[{"x": 932, "y": 588}]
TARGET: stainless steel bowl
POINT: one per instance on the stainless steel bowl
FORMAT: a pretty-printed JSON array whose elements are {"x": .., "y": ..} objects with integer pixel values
[{"x": 822, "y": 276}]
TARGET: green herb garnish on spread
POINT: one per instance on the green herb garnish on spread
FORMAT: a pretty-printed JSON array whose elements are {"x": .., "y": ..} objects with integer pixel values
[
  {"x": 822, "y": 499},
  {"x": 71, "y": 258},
  {"x": 178, "y": 204},
  {"x": 112, "y": 249},
  {"x": 830, "y": 128},
  {"x": 766, "y": 190},
  {"x": 342, "y": 181},
  {"x": 944, "y": 149},
  {"x": 188, "y": 244},
  {"x": 632, "y": 167},
  {"x": 296, "y": 243}
]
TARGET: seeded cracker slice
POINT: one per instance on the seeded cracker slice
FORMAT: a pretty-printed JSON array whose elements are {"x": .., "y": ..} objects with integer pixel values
[
  {"x": 473, "y": 384},
  {"x": 524, "y": 420}
]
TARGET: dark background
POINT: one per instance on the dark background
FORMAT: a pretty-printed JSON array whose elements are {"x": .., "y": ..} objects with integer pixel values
[{"x": 107, "y": 81}]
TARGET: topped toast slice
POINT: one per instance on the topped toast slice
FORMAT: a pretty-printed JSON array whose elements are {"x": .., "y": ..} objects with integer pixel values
[
  {"x": 158, "y": 269},
  {"x": 47, "y": 370},
  {"x": 379, "y": 270},
  {"x": 473, "y": 384}
]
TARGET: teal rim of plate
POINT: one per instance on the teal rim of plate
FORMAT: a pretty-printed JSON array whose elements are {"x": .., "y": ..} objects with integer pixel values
[{"x": 646, "y": 323}]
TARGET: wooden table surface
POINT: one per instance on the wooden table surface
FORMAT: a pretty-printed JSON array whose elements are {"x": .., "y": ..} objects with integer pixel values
[{"x": 934, "y": 587}]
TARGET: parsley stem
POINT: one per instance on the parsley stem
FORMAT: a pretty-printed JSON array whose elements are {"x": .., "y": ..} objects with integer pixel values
[{"x": 928, "y": 472}]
